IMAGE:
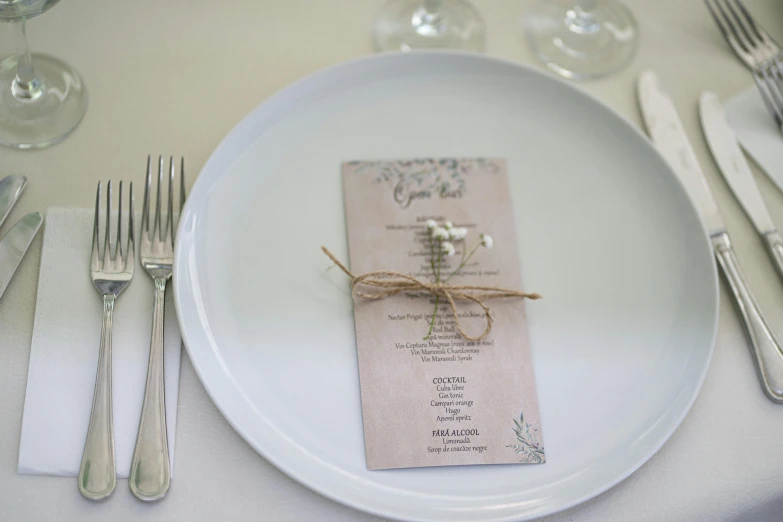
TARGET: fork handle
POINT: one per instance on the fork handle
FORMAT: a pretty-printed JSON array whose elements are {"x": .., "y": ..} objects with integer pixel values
[
  {"x": 97, "y": 473},
  {"x": 766, "y": 347},
  {"x": 150, "y": 474}
]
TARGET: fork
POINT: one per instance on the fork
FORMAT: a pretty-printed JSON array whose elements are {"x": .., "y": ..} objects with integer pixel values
[
  {"x": 111, "y": 273},
  {"x": 756, "y": 49},
  {"x": 748, "y": 40},
  {"x": 150, "y": 475},
  {"x": 769, "y": 81}
]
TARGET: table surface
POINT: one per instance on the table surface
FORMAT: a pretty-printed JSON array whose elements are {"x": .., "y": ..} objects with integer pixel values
[{"x": 174, "y": 77}]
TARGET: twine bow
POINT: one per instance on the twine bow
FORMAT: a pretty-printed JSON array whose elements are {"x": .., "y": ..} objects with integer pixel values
[{"x": 386, "y": 283}]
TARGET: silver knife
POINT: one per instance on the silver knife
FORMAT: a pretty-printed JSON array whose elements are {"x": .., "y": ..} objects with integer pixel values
[
  {"x": 14, "y": 245},
  {"x": 734, "y": 167},
  {"x": 11, "y": 188},
  {"x": 666, "y": 130}
]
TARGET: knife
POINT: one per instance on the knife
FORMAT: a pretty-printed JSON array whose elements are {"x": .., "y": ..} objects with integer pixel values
[
  {"x": 14, "y": 245},
  {"x": 666, "y": 130},
  {"x": 734, "y": 167},
  {"x": 11, "y": 188}
]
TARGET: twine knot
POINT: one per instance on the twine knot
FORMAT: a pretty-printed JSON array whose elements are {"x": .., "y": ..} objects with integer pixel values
[
  {"x": 381, "y": 284},
  {"x": 435, "y": 288}
]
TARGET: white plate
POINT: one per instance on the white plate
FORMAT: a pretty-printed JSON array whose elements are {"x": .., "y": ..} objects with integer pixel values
[{"x": 621, "y": 342}]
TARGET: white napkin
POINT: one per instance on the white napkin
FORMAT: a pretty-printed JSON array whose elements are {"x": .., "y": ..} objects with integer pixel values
[
  {"x": 757, "y": 132},
  {"x": 64, "y": 354}
]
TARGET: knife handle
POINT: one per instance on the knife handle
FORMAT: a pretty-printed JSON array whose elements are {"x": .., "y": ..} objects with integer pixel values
[
  {"x": 766, "y": 348},
  {"x": 774, "y": 243}
]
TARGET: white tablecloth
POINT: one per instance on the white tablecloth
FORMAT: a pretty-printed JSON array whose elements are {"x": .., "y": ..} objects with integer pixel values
[{"x": 174, "y": 76}]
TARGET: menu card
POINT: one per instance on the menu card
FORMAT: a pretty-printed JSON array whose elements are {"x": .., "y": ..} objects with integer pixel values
[{"x": 443, "y": 400}]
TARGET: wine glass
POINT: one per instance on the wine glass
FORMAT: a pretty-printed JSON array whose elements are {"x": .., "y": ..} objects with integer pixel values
[
  {"x": 582, "y": 39},
  {"x": 404, "y": 25},
  {"x": 42, "y": 99}
]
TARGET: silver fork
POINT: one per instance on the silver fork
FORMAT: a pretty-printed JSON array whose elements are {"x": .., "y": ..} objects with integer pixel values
[
  {"x": 769, "y": 81},
  {"x": 150, "y": 475},
  {"x": 111, "y": 273},
  {"x": 755, "y": 48},
  {"x": 748, "y": 40}
]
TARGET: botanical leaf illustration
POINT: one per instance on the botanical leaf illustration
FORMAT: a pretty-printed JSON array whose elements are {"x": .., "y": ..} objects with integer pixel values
[
  {"x": 528, "y": 446},
  {"x": 424, "y": 174}
]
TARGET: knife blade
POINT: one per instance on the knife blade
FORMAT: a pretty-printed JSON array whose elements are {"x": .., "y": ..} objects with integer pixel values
[
  {"x": 11, "y": 188},
  {"x": 14, "y": 245},
  {"x": 736, "y": 171},
  {"x": 667, "y": 132}
]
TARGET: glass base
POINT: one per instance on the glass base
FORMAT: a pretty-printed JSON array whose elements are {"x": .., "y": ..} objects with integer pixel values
[
  {"x": 582, "y": 39},
  {"x": 404, "y": 25},
  {"x": 42, "y": 114}
]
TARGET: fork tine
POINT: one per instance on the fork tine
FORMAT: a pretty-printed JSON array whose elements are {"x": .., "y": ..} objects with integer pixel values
[
  {"x": 747, "y": 32},
  {"x": 762, "y": 82},
  {"x": 730, "y": 34},
  {"x": 156, "y": 226},
  {"x": 95, "y": 259},
  {"x": 719, "y": 20},
  {"x": 766, "y": 40},
  {"x": 129, "y": 259},
  {"x": 130, "y": 249},
  {"x": 145, "y": 212},
  {"x": 118, "y": 251},
  {"x": 107, "y": 242},
  {"x": 745, "y": 14},
  {"x": 170, "y": 217},
  {"x": 730, "y": 18},
  {"x": 776, "y": 77},
  {"x": 181, "y": 184}
]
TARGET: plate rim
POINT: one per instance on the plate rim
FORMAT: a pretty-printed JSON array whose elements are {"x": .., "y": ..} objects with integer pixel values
[{"x": 358, "y": 502}]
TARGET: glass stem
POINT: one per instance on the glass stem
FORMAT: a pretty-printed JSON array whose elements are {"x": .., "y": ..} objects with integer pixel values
[{"x": 26, "y": 85}]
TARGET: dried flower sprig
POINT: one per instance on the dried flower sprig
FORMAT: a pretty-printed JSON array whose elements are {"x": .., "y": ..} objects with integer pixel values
[{"x": 443, "y": 242}]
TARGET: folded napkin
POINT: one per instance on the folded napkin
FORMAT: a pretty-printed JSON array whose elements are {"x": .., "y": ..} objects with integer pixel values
[
  {"x": 757, "y": 133},
  {"x": 64, "y": 354}
]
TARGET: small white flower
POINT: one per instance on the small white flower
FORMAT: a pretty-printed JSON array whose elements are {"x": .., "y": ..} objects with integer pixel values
[
  {"x": 486, "y": 240},
  {"x": 431, "y": 224},
  {"x": 440, "y": 233},
  {"x": 458, "y": 233},
  {"x": 447, "y": 248},
  {"x": 447, "y": 225}
]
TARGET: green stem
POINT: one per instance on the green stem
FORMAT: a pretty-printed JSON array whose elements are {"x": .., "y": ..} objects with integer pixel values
[
  {"x": 432, "y": 255},
  {"x": 432, "y": 320},
  {"x": 437, "y": 298},
  {"x": 465, "y": 262},
  {"x": 439, "y": 264}
]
